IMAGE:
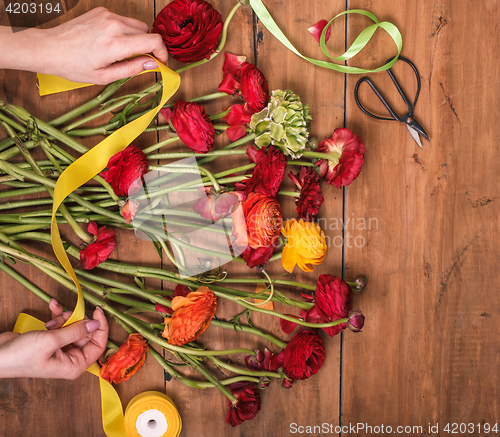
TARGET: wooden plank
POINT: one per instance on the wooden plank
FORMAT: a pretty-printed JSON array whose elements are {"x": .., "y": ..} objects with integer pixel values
[{"x": 429, "y": 351}]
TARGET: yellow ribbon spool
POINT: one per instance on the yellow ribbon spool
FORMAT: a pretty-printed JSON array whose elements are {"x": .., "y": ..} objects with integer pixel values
[
  {"x": 78, "y": 173},
  {"x": 152, "y": 414}
]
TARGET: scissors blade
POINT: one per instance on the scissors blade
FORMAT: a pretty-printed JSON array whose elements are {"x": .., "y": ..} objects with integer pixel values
[{"x": 414, "y": 135}]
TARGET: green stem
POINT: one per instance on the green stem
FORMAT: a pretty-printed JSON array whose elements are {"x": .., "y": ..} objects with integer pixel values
[
  {"x": 64, "y": 211},
  {"x": 180, "y": 155},
  {"x": 242, "y": 371},
  {"x": 248, "y": 329},
  {"x": 106, "y": 93},
  {"x": 210, "y": 377},
  {"x": 289, "y": 193}
]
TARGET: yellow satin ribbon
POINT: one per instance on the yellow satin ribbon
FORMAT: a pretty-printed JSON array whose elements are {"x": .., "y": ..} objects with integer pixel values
[{"x": 77, "y": 174}]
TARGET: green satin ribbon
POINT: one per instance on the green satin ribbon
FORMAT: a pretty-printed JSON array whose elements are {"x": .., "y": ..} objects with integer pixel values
[{"x": 358, "y": 44}]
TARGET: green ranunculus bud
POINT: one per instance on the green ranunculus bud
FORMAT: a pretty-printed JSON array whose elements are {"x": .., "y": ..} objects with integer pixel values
[{"x": 283, "y": 123}]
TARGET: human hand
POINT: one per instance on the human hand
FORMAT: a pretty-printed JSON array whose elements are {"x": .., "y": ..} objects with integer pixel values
[
  {"x": 63, "y": 353},
  {"x": 93, "y": 48}
]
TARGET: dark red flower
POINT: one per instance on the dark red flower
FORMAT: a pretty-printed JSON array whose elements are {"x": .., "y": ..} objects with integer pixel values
[
  {"x": 311, "y": 197},
  {"x": 98, "y": 251},
  {"x": 347, "y": 156},
  {"x": 193, "y": 126},
  {"x": 125, "y": 171},
  {"x": 247, "y": 403},
  {"x": 259, "y": 256},
  {"x": 317, "y": 29},
  {"x": 216, "y": 206},
  {"x": 304, "y": 355},
  {"x": 333, "y": 301},
  {"x": 245, "y": 79},
  {"x": 268, "y": 172},
  {"x": 189, "y": 28}
]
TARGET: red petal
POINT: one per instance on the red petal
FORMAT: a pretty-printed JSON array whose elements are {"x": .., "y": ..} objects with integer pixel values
[
  {"x": 318, "y": 28},
  {"x": 229, "y": 85},
  {"x": 166, "y": 112},
  {"x": 233, "y": 118},
  {"x": 232, "y": 63},
  {"x": 236, "y": 132},
  {"x": 288, "y": 326}
]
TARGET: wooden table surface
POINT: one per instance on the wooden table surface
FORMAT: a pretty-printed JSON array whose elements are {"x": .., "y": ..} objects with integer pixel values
[{"x": 430, "y": 349}]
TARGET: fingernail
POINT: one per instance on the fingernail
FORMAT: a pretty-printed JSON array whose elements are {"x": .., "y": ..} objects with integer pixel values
[
  {"x": 92, "y": 325},
  {"x": 100, "y": 309},
  {"x": 51, "y": 324},
  {"x": 67, "y": 314},
  {"x": 54, "y": 301},
  {"x": 150, "y": 65}
]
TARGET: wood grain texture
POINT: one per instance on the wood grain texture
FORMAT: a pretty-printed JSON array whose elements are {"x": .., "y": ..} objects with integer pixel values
[
  {"x": 429, "y": 352},
  {"x": 423, "y": 223}
]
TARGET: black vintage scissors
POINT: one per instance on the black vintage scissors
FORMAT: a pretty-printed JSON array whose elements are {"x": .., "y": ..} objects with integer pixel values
[{"x": 413, "y": 126}]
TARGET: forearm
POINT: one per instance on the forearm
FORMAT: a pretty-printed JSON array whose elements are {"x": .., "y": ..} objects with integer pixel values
[{"x": 23, "y": 50}]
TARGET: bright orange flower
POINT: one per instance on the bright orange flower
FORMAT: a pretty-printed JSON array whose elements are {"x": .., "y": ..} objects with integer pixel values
[
  {"x": 127, "y": 361},
  {"x": 263, "y": 221},
  {"x": 192, "y": 315},
  {"x": 306, "y": 245}
]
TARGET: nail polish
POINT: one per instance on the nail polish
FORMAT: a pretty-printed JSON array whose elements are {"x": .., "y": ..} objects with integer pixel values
[
  {"x": 54, "y": 301},
  {"x": 92, "y": 325},
  {"x": 150, "y": 65},
  {"x": 51, "y": 324}
]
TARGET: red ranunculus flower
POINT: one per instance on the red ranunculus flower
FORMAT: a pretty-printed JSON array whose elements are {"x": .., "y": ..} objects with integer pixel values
[
  {"x": 125, "y": 171},
  {"x": 259, "y": 256},
  {"x": 245, "y": 79},
  {"x": 98, "y": 251},
  {"x": 304, "y": 355},
  {"x": 127, "y": 361},
  {"x": 333, "y": 301},
  {"x": 193, "y": 126},
  {"x": 311, "y": 197},
  {"x": 347, "y": 156},
  {"x": 247, "y": 403},
  {"x": 189, "y": 28},
  {"x": 268, "y": 172}
]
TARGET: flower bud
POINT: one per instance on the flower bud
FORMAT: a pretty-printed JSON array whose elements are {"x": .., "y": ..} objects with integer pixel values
[
  {"x": 356, "y": 321},
  {"x": 286, "y": 383},
  {"x": 264, "y": 382},
  {"x": 360, "y": 282}
]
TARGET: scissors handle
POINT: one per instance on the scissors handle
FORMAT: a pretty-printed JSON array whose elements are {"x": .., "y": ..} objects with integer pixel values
[{"x": 398, "y": 87}]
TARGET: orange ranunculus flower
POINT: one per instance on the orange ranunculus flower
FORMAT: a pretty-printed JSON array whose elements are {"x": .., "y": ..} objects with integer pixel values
[
  {"x": 127, "y": 361},
  {"x": 263, "y": 220},
  {"x": 305, "y": 245},
  {"x": 192, "y": 315}
]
